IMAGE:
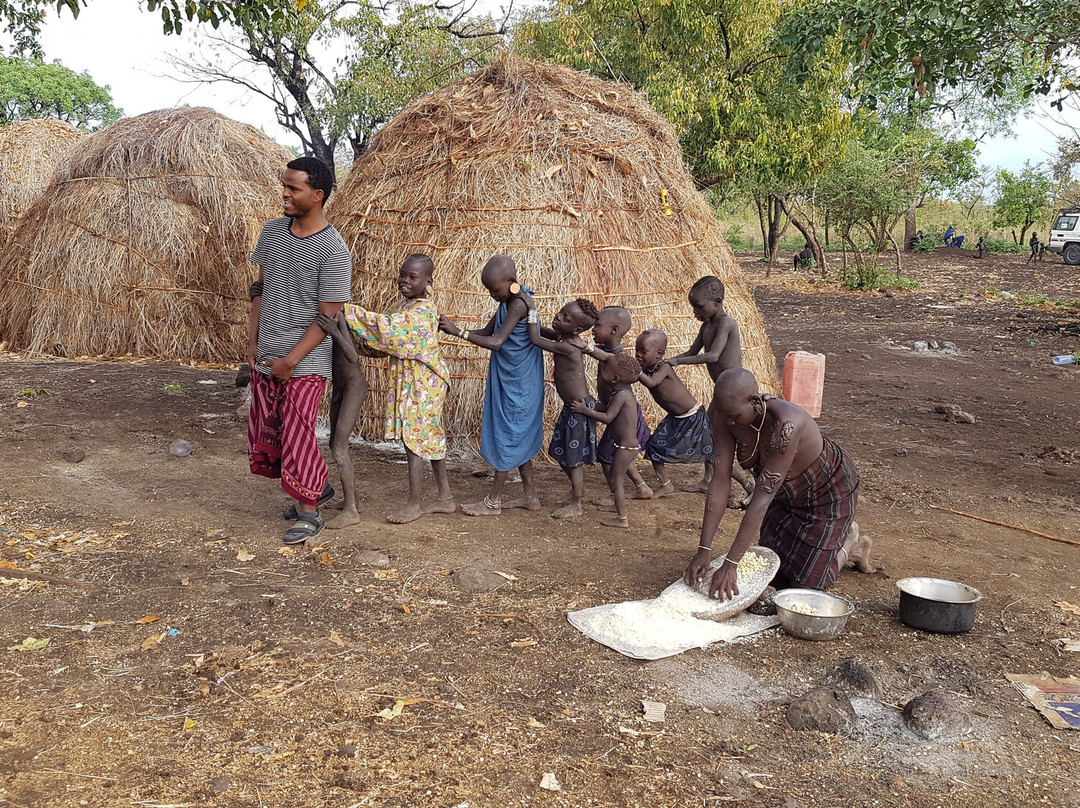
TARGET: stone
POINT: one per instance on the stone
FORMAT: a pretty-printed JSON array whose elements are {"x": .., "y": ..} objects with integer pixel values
[
  {"x": 852, "y": 678},
  {"x": 371, "y": 558},
  {"x": 937, "y": 717},
  {"x": 72, "y": 454},
  {"x": 477, "y": 577},
  {"x": 348, "y": 750},
  {"x": 219, "y": 785},
  {"x": 821, "y": 709},
  {"x": 920, "y": 346}
]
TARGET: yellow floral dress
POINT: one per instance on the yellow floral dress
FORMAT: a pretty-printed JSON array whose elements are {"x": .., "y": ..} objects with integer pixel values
[{"x": 418, "y": 378}]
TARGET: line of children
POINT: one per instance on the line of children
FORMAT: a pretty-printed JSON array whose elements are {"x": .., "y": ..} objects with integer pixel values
[{"x": 512, "y": 428}]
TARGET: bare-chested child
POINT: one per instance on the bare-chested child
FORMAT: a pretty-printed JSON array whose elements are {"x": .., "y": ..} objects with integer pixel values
[
  {"x": 719, "y": 348},
  {"x": 611, "y": 326},
  {"x": 419, "y": 381},
  {"x": 619, "y": 372},
  {"x": 685, "y": 435},
  {"x": 349, "y": 390},
  {"x": 573, "y": 442}
]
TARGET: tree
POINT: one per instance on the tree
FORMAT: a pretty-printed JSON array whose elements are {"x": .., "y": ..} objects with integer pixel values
[
  {"x": 1022, "y": 198},
  {"x": 34, "y": 89},
  {"x": 942, "y": 49},
  {"x": 713, "y": 69},
  {"x": 339, "y": 69}
]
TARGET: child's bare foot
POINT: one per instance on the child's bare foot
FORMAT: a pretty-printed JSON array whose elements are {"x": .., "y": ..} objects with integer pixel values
[
  {"x": 336, "y": 505},
  {"x": 440, "y": 506},
  {"x": 642, "y": 491},
  {"x": 607, "y": 507},
  {"x": 700, "y": 487},
  {"x": 410, "y": 513},
  {"x": 344, "y": 519},
  {"x": 616, "y": 521},
  {"x": 664, "y": 490},
  {"x": 528, "y": 503},
  {"x": 568, "y": 511},
  {"x": 604, "y": 502},
  {"x": 485, "y": 507}
]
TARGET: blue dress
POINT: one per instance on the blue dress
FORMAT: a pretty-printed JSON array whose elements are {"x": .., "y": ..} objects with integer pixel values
[{"x": 512, "y": 429}]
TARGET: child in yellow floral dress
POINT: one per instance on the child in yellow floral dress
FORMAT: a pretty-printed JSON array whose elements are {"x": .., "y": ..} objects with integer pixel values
[{"x": 409, "y": 335}]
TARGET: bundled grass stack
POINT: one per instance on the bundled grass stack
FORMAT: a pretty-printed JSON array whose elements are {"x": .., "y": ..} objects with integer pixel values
[
  {"x": 577, "y": 179},
  {"x": 140, "y": 245},
  {"x": 29, "y": 154}
]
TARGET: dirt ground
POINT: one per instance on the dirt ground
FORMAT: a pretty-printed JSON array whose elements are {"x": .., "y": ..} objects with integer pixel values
[{"x": 192, "y": 662}]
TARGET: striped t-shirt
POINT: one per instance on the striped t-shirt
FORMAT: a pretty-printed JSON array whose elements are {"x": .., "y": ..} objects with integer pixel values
[{"x": 299, "y": 273}]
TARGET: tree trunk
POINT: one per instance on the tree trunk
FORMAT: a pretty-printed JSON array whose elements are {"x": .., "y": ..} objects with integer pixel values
[
  {"x": 764, "y": 234},
  {"x": 776, "y": 229},
  {"x": 826, "y": 228},
  {"x": 896, "y": 250},
  {"x": 910, "y": 228},
  {"x": 808, "y": 233}
]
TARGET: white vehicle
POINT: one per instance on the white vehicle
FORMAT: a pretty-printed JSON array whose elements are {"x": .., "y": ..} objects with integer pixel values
[{"x": 1065, "y": 236}]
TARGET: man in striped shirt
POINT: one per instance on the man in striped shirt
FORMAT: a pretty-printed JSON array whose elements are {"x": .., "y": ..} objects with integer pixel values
[{"x": 304, "y": 270}]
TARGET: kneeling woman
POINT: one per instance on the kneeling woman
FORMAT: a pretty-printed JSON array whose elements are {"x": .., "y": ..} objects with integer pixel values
[{"x": 807, "y": 488}]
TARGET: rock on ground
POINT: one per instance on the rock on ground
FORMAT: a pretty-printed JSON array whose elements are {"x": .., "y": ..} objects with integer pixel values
[
  {"x": 821, "y": 709},
  {"x": 937, "y": 716},
  {"x": 72, "y": 454},
  {"x": 477, "y": 577},
  {"x": 852, "y": 678},
  {"x": 371, "y": 558}
]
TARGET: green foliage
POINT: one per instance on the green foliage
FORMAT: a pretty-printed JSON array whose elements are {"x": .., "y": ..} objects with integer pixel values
[
  {"x": 925, "y": 244},
  {"x": 34, "y": 89},
  {"x": 934, "y": 49},
  {"x": 1022, "y": 198},
  {"x": 999, "y": 245},
  {"x": 1034, "y": 299},
  {"x": 864, "y": 273},
  {"x": 714, "y": 70}
]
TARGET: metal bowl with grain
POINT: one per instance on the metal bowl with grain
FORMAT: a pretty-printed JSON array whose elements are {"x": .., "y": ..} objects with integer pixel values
[{"x": 812, "y": 615}]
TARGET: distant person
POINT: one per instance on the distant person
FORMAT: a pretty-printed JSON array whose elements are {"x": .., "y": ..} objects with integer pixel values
[
  {"x": 1033, "y": 243},
  {"x": 947, "y": 238},
  {"x": 304, "y": 270},
  {"x": 803, "y": 258},
  {"x": 981, "y": 246}
]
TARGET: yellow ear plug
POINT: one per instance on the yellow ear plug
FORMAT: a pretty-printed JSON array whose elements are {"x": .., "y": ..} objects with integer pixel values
[{"x": 664, "y": 202}]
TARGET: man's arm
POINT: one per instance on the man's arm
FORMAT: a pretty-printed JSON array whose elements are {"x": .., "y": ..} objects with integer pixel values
[
  {"x": 255, "y": 292},
  {"x": 282, "y": 369}
]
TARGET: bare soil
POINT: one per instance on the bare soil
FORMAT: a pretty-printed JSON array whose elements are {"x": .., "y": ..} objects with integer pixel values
[{"x": 193, "y": 662}]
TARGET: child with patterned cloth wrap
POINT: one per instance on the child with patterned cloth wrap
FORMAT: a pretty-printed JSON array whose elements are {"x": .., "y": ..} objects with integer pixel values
[
  {"x": 409, "y": 335},
  {"x": 685, "y": 434},
  {"x": 622, "y": 416},
  {"x": 512, "y": 429},
  {"x": 573, "y": 442}
]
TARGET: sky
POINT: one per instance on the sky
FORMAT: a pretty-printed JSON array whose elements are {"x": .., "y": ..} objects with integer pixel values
[{"x": 124, "y": 48}]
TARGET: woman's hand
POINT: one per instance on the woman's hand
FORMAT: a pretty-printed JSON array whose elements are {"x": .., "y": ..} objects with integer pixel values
[
  {"x": 449, "y": 326},
  {"x": 699, "y": 565},
  {"x": 725, "y": 582}
]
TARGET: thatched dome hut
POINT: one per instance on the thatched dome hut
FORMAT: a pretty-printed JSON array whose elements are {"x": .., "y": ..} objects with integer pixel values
[
  {"x": 29, "y": 154},
  {"x": 567, "y": 174},
  {"x": 140, "y": 245}
]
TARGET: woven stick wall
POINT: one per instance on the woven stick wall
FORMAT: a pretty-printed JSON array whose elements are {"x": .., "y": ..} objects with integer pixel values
[
  {"x": 141, "y": 243},
  {"x": 30, "y": 151},
  {"x": 564, "y": 173}
]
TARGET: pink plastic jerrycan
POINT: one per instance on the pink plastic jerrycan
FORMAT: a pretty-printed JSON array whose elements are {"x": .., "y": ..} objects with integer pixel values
[{"x": 804, "y": 380}]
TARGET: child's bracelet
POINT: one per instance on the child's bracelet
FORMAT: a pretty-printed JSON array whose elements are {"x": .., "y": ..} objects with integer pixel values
[
  {"x": 464, "y": 335},
  {"x": 703, "y": 547},
  {"x": 534, "y": 316},
  {"x": 590, "y": 346}
]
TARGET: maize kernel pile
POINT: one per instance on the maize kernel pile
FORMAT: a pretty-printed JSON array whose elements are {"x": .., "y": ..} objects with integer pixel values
[
  {"x": 802, "y": 608},
  {"x": 750, "y": 565}
]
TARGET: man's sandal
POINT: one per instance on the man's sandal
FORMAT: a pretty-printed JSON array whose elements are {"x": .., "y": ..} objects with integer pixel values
[
  {"x": 306, "y": 526},
  {"x": 327, "y": 494}
]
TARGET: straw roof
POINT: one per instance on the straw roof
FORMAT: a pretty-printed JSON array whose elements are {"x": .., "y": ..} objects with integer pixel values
[
  {"x": 566, "y": 174},
  {"x": 141, "y": 243},
  {"x": 29, "y": 153}
]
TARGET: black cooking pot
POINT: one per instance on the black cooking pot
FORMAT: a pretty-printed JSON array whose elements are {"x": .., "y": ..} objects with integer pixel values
[{"x": 933, "y": 604}]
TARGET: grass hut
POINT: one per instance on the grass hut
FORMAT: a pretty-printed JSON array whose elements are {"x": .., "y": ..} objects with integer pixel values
[
  {"x": 577, "y": 179},
  {"x": 140, "y": 245},
  {"x": 29, "y": 154}
]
